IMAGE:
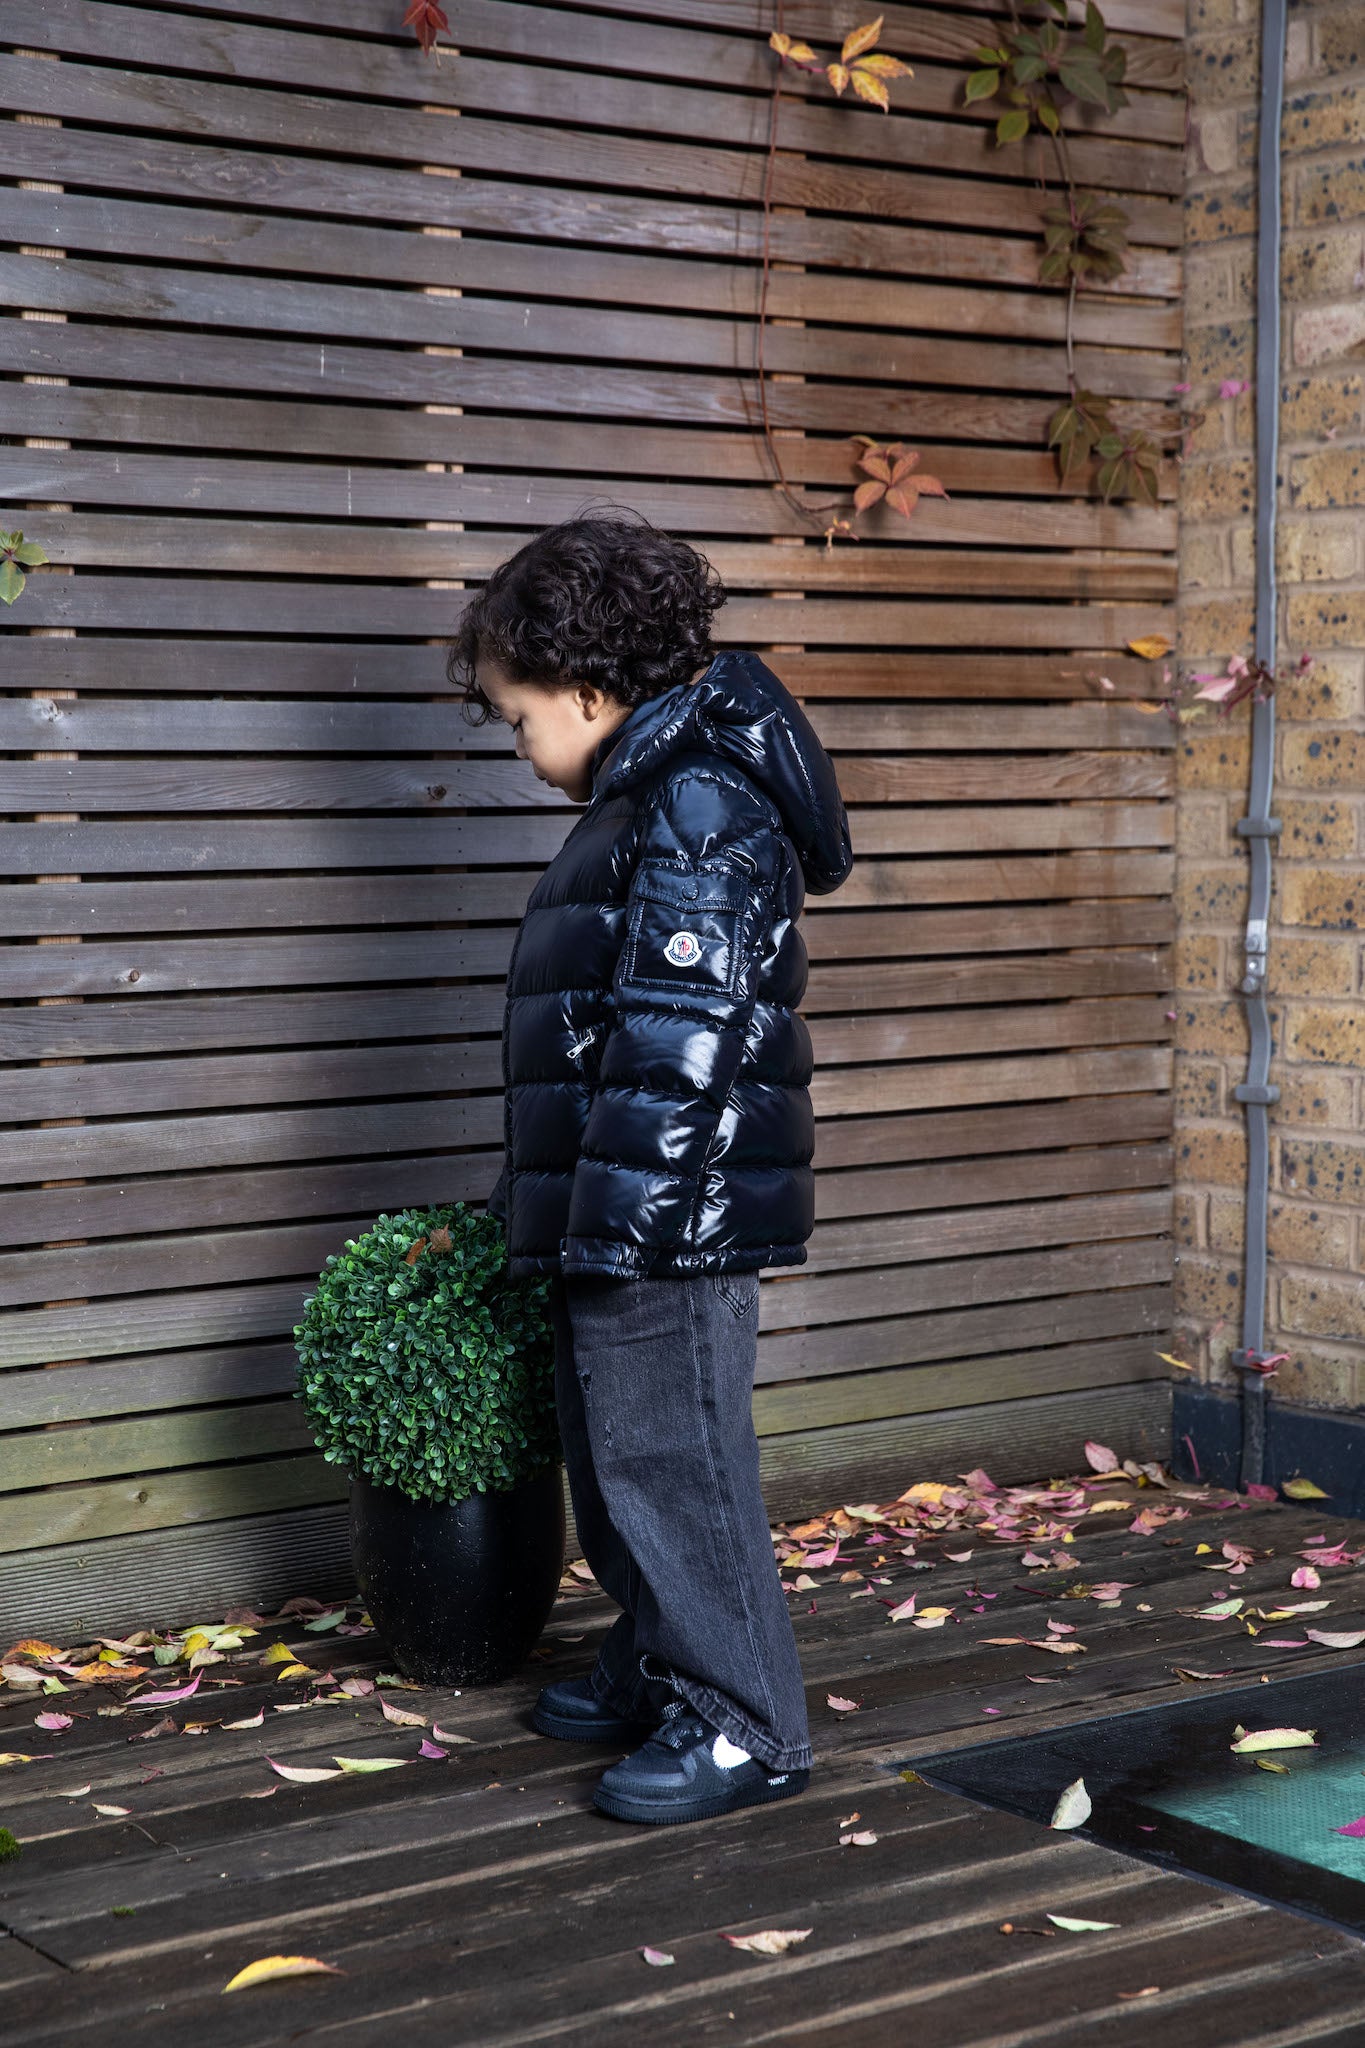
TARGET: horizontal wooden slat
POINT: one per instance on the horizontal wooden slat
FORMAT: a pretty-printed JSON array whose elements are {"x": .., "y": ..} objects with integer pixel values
[
  {"x": 236, "y": 667},
  {"x": 851, "y": 1155},
  {"x": 608, "y": 156},
  {"x": 212, "y": 1258},
  {"x": 529, "y": 327},
  {"x": 310, "y": 248},
  {"x": 374, "y": 434},
  {"x": 127, "y": 1087},
  {"x": 121, "y": 1325},
  {"x": 244, "y": 1429},
  {"x": 275, "y": 365},
  {"x": 671, "y": 98},
  {"x": 239, "y": 547},
  {"x": 129, "y": 725},
  {"x": 233, "y": 784}
]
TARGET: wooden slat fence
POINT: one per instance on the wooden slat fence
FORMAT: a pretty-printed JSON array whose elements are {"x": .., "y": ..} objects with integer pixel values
[{"x": 299, "y": 335}]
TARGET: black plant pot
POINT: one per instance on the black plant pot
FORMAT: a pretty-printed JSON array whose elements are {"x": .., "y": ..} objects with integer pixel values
[{"x": 459, "y": 1590}]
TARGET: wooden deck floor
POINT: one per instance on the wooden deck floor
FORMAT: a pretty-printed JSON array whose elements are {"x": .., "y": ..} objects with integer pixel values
[{"x": 483, "y": 1900}]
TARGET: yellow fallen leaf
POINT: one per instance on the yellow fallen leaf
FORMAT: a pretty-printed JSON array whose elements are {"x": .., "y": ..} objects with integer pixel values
[
  {"x": 1169, "y": 1358},
  {"x": 773, "y": 1941},
  {"x": 1151, "y": 646},
  {"x": 280, "y": 1966},
  {"x": 930, "y": 1490},
  {"x": 278, "y": 1653},
  {"x": 14, "y": 1756},
  {"x": 294, "y": 1671},
  {"x": 1268, "y": 1763},
  {"x": 370, "y": 1763},
  {"x": 1109, "y": 1507},
  {"x": 1303, "y": 1489},
  {"x": 1272, "y": 1738}
]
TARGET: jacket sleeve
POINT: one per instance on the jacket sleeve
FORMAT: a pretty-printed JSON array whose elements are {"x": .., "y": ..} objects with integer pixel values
[{"x": 696, "y": 923}]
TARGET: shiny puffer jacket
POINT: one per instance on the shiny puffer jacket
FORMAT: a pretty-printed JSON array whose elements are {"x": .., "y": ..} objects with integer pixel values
[{"x": 656, "y": 1072}]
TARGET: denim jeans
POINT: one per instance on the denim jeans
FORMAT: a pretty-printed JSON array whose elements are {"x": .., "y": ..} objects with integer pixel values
[{"x": 653, "y": 1383}]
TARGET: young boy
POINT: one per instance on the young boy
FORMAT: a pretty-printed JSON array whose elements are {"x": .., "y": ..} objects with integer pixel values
[{"x": 658, "y": 1130}]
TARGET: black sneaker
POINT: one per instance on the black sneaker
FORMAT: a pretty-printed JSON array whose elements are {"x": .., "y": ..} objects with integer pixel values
[
  {"x": 571, "y": 1710},
  {"x": 679, "y": 1774}
]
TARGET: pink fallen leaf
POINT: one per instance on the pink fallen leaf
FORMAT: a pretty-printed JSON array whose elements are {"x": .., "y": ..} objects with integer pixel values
[
  {"x": 1111, "y": 1589},
  {"x": 862, "y": 1840},
  {"x": 957, "y": 1556},
  {"x": 432, "y": 1750},
  {"x": 904, "y": 1611},
  {"x": 114, "y": 1812},
  {"x": 1306, "y": 1578},
  {"x": 401, "y": 1716},
  {"x": 448, "y": 1734},
  {"x": 161, "y": 1699},
  {"x": 1284, "y": 1642},
  {"x": 1257, "y": 1492},
  {"x": 1100, "y": 1458},
  {"x": 1354, "y": 1828},
  {"x": 817, "y": 1560},
  {"x": 256, "y": 1720},
  {"x": 301, "y": 1774},
  {"x": 1337, "y": 1639},
  {"x": 55, "y": 1722},
  {"x": 841, "y": 1706},
  {"x": 357, "y": 1687},
  {"x": 658, "y": 1956}
]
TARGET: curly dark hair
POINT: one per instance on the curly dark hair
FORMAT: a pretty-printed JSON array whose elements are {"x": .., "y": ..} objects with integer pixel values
[{"x": 605, "y": 598}]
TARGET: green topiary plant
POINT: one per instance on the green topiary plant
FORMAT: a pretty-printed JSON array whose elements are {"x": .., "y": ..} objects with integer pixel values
[{"x": 423, "y": 1365}]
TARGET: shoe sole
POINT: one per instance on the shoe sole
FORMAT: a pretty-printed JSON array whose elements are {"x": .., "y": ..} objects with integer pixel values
[
  {"x": 565, "y": 1729},
  {"x": 625, "y": 1808}
]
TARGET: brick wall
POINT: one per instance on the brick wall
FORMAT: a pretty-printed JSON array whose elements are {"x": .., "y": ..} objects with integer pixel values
[{"x": 1316, "y": 1304}]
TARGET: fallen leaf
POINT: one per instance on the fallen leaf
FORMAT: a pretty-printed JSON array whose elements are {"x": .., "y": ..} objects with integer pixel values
[
  {"x": 773, "y": 1941},
  {"x": 1354, "y": 1828},
  {"x": 1100, "y": 1458},
  {"x": 1181, "y": 1672},
  {"x": 448, "y": 1735},
  {"x": 301, "y": 1774},
  {"x": 1147, "y": 1991},
  {"x": 280, "y": 1966},
  {"x": 1306, "y": 1578},
  {"x": 1274, "y": 1738},
  {"x": 841, "y": 1706},
  {"x": 1080, "y": 1926},
  {"x": 401, "y": 1716},
  {"x": 906, "y": 1608},
  {"x": 1336, "y": 1639},
  {"x": 1268, "y": 1763},
  {"x": 1073, "y": 1806},
  {"x": 55, "y": 1722},
  {"x": 370, "y": 1763},
  {"x": 863, "y": 1840},
  {"x": 1302, "y": 1489},
  {"x": 256, "y": 1720},
  {"x": 1151, "y": 646},
  {"x": 116, "y": 1811},
  {"x": 659, "y": 1957}
]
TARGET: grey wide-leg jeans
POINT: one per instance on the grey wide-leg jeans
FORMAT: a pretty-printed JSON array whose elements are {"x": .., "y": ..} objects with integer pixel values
[{"x": 653, "y": 1384}]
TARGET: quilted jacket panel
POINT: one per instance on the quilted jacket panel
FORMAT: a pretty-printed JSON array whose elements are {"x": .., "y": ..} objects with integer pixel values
[{"x": 655, "y": 1065}]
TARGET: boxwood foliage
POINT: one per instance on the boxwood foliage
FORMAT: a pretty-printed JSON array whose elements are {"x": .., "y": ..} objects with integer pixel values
[{"x": 423, "y": 1364}]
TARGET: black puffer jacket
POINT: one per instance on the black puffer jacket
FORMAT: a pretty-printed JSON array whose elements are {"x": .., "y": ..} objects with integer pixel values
[{"x": 658, "y": 1119}]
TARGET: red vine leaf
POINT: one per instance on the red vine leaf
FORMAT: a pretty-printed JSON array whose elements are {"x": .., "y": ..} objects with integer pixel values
[
  {"x": 427, "y": 20},
  {"x": 890, "y": 470}
]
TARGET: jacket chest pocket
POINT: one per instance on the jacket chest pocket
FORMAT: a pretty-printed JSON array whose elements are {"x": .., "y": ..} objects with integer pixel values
[{"x": 686, "y": 929}]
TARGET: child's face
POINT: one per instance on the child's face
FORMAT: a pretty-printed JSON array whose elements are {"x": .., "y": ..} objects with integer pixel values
[{"x": 557, "y": 728}]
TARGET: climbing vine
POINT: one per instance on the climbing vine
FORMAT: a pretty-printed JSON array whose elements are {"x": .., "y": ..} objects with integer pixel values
[
  {"x": 17, "y": 556},
  {"x": 1041, "y": 71}
]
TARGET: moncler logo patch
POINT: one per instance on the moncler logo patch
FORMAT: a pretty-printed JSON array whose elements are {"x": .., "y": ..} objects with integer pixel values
[{"x": 683, "y": 949}]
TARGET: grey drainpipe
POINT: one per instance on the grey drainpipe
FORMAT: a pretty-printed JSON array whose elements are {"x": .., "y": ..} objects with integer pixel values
[{"x": 1257, "y": 1092}]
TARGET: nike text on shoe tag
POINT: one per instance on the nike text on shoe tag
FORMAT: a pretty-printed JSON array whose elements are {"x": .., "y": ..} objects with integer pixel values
[
  {"x": 727, "y": 1754},
  {"x": 683, "y": 949}
]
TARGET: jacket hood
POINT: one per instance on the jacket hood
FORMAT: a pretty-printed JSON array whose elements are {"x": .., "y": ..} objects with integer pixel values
[{"x": 741, "y": 711}]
